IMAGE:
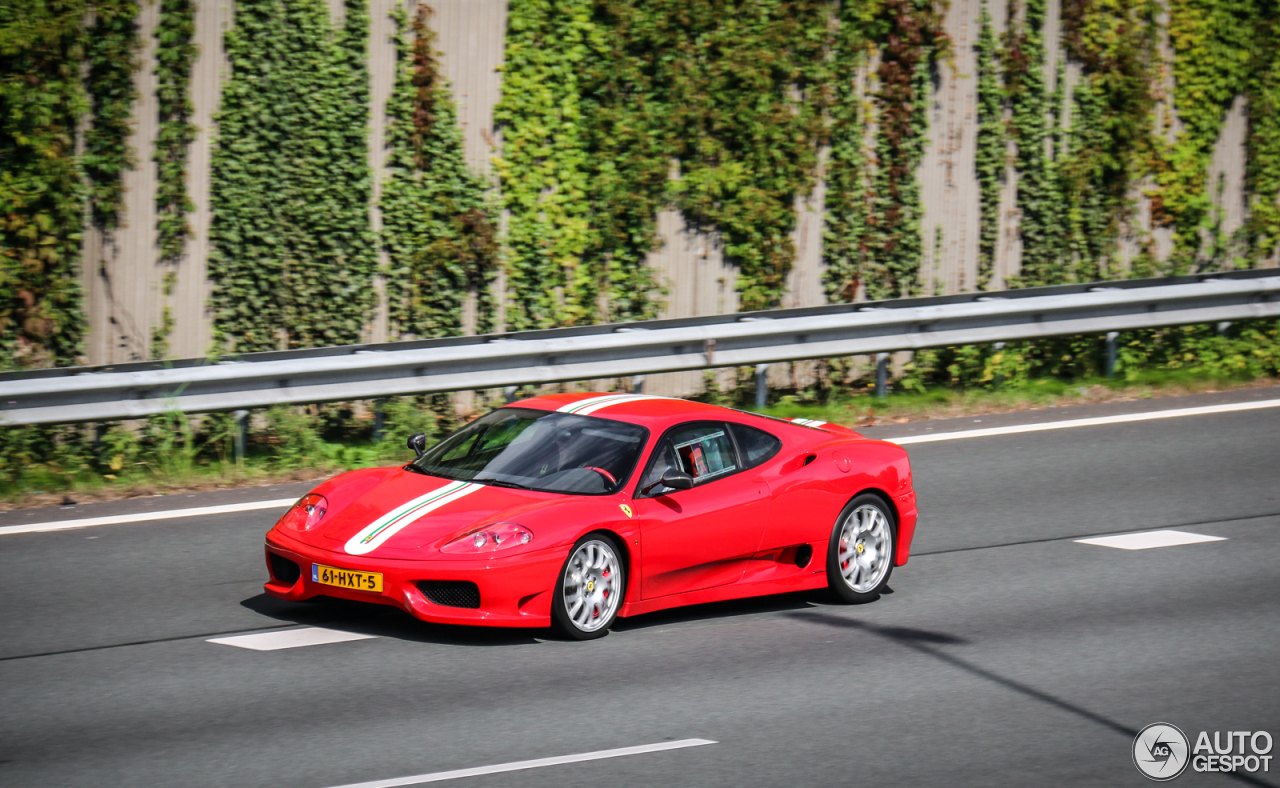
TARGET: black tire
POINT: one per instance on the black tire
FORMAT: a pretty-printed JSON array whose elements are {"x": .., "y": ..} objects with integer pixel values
[
  {"x": 600, "y": 607},
  {"x": 862, "y": 589}
]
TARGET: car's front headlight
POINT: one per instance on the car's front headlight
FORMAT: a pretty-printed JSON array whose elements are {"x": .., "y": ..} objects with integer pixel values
[
  {"x": 306, "y": 513},
  {"x": 490, "y": 538}
]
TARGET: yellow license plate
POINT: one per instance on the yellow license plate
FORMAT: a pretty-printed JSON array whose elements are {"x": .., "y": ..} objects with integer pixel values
[{"x": 346, "y": 578}]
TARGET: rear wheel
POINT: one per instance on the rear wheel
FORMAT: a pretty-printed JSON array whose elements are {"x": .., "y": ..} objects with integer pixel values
[
  {"x": 590, "y": 588},
  {"x": 860, "y": 555}
]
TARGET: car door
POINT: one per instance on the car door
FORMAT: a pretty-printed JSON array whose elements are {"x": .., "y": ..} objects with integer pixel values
[{"x": 701, "y": 537}]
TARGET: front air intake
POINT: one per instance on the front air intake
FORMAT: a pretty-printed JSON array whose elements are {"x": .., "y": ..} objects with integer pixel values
[
  {"x": 282, "y": 569},
  {"x": 451, "y": 593}
]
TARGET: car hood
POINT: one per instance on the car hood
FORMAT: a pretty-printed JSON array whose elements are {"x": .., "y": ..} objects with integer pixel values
[{"x": 393, "y": 513}]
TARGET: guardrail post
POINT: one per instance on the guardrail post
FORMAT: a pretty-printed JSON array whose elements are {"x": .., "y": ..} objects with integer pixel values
[
  {"x": 762, "y": 385},
  {"x": 998, "y": 378},
  {"x": 1222, "y": 327},
  {"x": 242, "y": 433},
  {"x": 882, "y": 375},
  {"x": 379, "y": 421},
  {"x": 1112, "y": 336},
  {"x": 637, "y": 384},
  {"x": 510, "y": 391}
]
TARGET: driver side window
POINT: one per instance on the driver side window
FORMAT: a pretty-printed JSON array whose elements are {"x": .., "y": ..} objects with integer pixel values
[{"x": 703, "y": 451}]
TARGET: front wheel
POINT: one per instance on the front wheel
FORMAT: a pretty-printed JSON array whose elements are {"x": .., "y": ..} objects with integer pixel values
[
  {"x": 860, "y": 554},
  {"x": 590, "y": 588}
]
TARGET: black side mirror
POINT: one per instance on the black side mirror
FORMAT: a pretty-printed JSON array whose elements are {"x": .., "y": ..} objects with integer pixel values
[
  {"x": 418, "y": 443},
  {"x": 677, "y": 480}
]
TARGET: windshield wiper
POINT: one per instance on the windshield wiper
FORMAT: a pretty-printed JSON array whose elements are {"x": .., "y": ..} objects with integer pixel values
[
  {"x": 502, "y": 483},
  {"x": 416, "y": 469}
]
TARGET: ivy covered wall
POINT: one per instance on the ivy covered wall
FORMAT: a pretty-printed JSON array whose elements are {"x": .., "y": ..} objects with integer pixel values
[
  {"x": 293, "y": 253},
  {"x": 66, "y": 95},
  {"x": 875, "y": 236},
  {"x": 175, "y": 56},
  {"x": 1113, "y": 139},
  {"x": 41, "y": 191},
  {"x": 1081, "y": 164},
  {"x": 438, "y": 225},
  {"x": 614, "y": 110},
  {"x": 961, "y": 145}
]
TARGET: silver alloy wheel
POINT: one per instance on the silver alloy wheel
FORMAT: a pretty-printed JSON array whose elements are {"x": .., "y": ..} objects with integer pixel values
[
  {"x": 864, "y": 548},
  {"x": 592, "y": 587}
]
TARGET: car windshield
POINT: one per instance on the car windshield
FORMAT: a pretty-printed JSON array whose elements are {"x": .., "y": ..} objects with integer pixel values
[{"x": 539, "y": 450}]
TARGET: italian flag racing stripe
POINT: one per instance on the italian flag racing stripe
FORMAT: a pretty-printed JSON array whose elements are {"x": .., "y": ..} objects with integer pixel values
[
  {"x": 386, "y": 526},
  {"x": 808, "y": 423},
  {"x": 585, "y": 407}
]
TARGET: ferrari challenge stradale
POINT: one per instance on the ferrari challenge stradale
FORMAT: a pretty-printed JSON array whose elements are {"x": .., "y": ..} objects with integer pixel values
[{"x": 570, "y": 510}]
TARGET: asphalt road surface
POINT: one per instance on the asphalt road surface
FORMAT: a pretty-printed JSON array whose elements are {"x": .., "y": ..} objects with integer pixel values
[{"x": 1008, "y": 654}]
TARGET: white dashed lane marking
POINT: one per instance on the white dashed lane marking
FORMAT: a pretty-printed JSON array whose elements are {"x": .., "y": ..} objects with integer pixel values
[
  {"x": 1149, "y": 539},
  {"x": 515, "y": 766},
  {"x": 290, "y": 638}
]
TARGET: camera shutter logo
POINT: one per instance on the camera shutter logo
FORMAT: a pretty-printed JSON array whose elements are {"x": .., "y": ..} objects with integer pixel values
[{"x": 1160, "y": 751}]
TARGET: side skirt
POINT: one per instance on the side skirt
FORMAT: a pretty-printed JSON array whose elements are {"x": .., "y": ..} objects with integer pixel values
[{"x": 809, "y": 579}]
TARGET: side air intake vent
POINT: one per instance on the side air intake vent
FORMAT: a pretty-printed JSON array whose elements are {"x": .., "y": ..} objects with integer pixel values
[
  {"x": 451, "y": 593},
  {"x": 283, "y": 569}
]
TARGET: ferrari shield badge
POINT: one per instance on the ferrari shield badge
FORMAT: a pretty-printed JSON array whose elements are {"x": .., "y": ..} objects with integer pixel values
[{"x": 625, "y": 509}]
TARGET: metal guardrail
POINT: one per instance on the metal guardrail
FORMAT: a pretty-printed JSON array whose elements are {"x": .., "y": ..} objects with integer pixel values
[{"x": 78, "y": 394}]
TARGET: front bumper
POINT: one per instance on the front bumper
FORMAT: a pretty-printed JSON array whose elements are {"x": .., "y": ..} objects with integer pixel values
[{"x": 515, "y": 591}]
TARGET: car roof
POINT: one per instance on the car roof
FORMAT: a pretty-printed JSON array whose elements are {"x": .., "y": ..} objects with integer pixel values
[{"x": 656, "y": 413}]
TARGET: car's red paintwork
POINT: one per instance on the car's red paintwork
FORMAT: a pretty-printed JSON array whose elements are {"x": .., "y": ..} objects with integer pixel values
[{"x": 732, "y": 538}]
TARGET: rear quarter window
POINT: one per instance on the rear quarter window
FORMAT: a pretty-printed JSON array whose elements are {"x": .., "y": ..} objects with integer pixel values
[{"x": 756, "y": 446}]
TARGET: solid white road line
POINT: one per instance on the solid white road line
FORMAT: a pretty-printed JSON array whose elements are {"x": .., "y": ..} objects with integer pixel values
[
  {"x": 170, "y": 514},
  {"x": 515, "y": 766},
  {"x": 290, "y": 638},
  {"x": 1094, "y": 422},
  {"x": 1148, "y": 539}
]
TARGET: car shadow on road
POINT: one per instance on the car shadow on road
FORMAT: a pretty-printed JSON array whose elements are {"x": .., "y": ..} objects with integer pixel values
[
  {"x": 776, "y": 603},
  {"x": 391, "y": 622},
  {"x": 903, "y": 635},
  {"x": 927, "y": 643},
  {"x": 385, "y": 621},
  {"x": 769, "y": 603}
]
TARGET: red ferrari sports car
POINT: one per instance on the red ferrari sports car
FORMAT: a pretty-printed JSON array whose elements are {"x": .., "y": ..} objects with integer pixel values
[{"x": 573, "y": 509}]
